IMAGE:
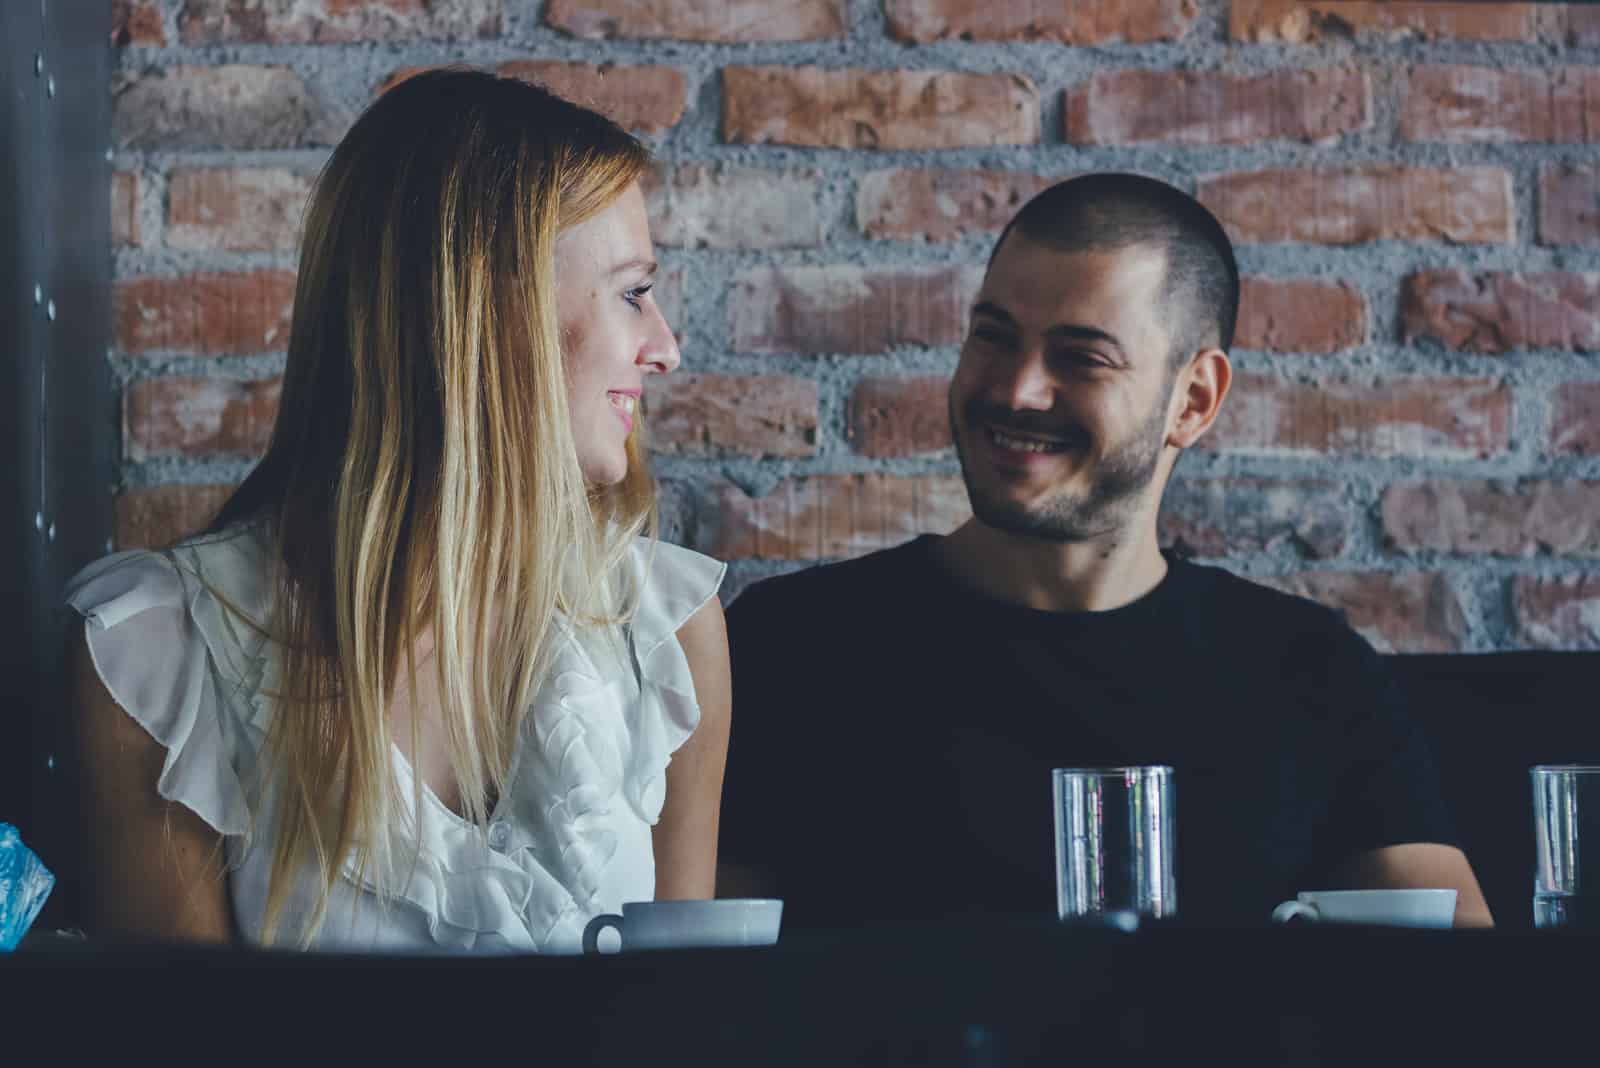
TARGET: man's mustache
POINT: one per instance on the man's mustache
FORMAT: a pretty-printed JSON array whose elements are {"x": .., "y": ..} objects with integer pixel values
[{"x": 1025, "y": 423}]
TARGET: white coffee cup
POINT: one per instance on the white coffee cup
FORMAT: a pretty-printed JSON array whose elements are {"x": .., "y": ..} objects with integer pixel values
[
  {"x": 1387, "y": 908},
  {"x": 689, "y": 924}
]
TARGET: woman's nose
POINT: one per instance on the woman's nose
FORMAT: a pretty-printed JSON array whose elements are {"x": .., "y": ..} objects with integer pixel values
[{"x": 659, "y": 353}]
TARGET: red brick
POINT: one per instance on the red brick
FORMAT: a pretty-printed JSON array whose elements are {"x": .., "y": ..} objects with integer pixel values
[
  {"x": 731, "y": 415},
  {"x": 125, "y": 209},
  {"x": 1569, "y": 205},
  {"x": 237, "y": 210},
  {"x": 1464, "y": 205},
  {"x": 1304, "y": 21},
  {"x": 1397, "y": 613},
  {"x": 204, "y": 22},
  {"x": 221, "y": 314},
  {"x": 1508, "y": 519},
  {"x": 1069, "y": 22},
  {"x": 937, "y": 205},
  {"x": 1498, "y": 312},
  {"x": 701, "y": 20},
  {"x": 155, "y": 517},
  {"x": 1582, "y": 25},
  {"x": 831, "y": 517},
  {"x": 136, "y": 22},
  {"x": 199, "y": 417},
  {"x": 845, "y": 309},
  {"x": 1575, "y": 419},
  {"x": 1448, "y": 418},
  {"x": 230, "y": 106},
  {"x": 1465, "y": 105},
  {"x": 1216, "y": 518},
  {"x": 900, "y": 416},
  {"x": 695, "y": 205},
  {"x": 1557, "y": 613},
  {"x": 899, "y": 109},
  {"x": 647, "y": 99},
  {"x": 1299, "y": 315},
  {"x": 1129, "y": 107}
]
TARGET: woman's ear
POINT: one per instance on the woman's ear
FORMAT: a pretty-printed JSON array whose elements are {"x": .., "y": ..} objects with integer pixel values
[{"x": 1201, "y": 388}]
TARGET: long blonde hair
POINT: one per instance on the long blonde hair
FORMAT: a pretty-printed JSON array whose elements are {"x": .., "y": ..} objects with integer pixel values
[{"x": 422, "y": 474}]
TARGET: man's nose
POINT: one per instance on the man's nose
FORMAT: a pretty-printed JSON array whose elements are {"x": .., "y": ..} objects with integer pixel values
[{"x": 1024, "y": 384}]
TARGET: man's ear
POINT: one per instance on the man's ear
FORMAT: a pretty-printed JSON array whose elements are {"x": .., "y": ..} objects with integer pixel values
[{"x": 1198, "y": 395}]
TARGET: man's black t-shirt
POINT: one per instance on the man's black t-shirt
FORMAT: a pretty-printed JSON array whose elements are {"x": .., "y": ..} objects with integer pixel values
[{"x": 894, "y": 731}]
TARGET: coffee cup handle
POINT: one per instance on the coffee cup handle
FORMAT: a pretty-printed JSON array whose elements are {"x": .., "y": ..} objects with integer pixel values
[
  {"x": 1292, "y": 910},
  {"x": 591, "y": 933}
]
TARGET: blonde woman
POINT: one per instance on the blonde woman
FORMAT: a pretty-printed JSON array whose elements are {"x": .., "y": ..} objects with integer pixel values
[{"x": 428, "y": 682}]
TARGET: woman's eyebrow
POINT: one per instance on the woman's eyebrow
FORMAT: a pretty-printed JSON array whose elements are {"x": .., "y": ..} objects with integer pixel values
[{"x": 648, "y": 266}]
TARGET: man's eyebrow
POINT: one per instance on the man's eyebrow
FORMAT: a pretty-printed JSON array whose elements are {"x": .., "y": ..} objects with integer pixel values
[
  {"x": 648, "y": 266},
  {"x": 1076, "y": 332},
  {"x": 993, "y": 311},
  {"x": 1059, "y": 332}
]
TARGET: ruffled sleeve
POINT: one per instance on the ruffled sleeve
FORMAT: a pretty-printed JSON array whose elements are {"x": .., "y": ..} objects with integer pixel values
[
  {"x": 142, "y": 635},
  {"x": 678, "y": 582}
]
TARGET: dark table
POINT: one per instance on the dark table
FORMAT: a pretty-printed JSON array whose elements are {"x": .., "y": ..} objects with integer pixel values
[{"x": 992, "y": 992}]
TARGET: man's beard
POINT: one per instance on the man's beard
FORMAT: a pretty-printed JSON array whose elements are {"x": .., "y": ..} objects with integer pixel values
[{"x": 1117, "y": 484}]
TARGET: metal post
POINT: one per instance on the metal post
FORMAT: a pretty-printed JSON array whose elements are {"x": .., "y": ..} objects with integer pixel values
[{"x": 58, "y": 449}]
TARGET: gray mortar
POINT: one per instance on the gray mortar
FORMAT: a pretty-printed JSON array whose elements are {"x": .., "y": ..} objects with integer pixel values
[{"x": 344, "y": 76}]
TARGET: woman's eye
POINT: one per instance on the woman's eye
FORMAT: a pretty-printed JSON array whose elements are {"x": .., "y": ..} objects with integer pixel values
[{"x": 636, "y": 295}]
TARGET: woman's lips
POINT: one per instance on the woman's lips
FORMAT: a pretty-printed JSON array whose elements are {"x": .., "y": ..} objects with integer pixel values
[{"x": 623, "y": 402}]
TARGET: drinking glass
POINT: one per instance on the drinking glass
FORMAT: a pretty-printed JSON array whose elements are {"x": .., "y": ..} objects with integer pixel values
[
  {"x": 1566, "y": 814},
  {"x": 1116, "y": 842}
]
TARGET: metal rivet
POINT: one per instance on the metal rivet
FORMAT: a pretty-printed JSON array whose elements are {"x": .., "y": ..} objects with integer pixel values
[
  {"x": 38, "y": 294},
  {"x": 50, "y": 763},
  {"x": 50, "y": 86},
  {"x": 51, "y": 533},
  {"x": 38, "y": 521},
  {"x": 50, "y": 311},
  {"x": 108, "y": 155},
  {"x": 38, "y": 64},
  {"x": 110, "y": 545}
]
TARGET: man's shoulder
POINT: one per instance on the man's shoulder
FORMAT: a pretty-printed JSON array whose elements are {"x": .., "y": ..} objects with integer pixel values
[
  {"x": 845, "y": 588},
  {"x": 1267, "y": 610},
  {"x": 1289, "y": 650}
]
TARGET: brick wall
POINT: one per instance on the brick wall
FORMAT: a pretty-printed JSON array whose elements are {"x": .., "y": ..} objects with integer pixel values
[{"x": 1415, "y": 188}]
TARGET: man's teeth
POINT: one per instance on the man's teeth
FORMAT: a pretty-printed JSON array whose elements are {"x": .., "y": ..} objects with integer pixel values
[
  {"x": 1006, "y": 441},
  {"x": 623, "y": 401}
]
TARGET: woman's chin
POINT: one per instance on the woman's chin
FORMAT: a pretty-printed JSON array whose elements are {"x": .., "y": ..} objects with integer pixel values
[{"x": 602, "y": 477}]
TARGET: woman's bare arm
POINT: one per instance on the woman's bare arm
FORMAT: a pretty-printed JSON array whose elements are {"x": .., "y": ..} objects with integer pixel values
[
  {"x": 1422, "y": 865},
  {"x": 154, "y": 869},
  {"x": 685, "y": 838}
]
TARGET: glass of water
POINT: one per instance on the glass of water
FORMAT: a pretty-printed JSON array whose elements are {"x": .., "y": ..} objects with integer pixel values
[
  {"x": 1566, "y": 834},
  {"x": 1116, "y": 843}
]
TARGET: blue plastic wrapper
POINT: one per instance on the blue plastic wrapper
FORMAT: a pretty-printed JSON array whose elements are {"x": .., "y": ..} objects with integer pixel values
[{"x": 24, "y": 885}]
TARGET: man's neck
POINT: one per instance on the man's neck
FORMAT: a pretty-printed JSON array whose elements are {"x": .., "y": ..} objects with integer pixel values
[{"x": 1054, "y": 576}]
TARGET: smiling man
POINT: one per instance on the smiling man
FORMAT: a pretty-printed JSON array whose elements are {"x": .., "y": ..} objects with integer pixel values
[{"x": 899, "y": 714}]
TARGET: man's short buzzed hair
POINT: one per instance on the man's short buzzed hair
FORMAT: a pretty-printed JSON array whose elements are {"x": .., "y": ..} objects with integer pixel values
[{"x": 1101, "y": 212}]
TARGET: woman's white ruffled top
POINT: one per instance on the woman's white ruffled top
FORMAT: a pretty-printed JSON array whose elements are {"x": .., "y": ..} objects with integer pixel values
[{"x": 569, "y": 840}]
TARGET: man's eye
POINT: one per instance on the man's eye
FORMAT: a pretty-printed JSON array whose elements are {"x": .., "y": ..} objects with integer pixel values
[
  {"x": 1083, "y": 357},
  {"x": 636, "y": 295},
  {"x": 993, "y": 337}
]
